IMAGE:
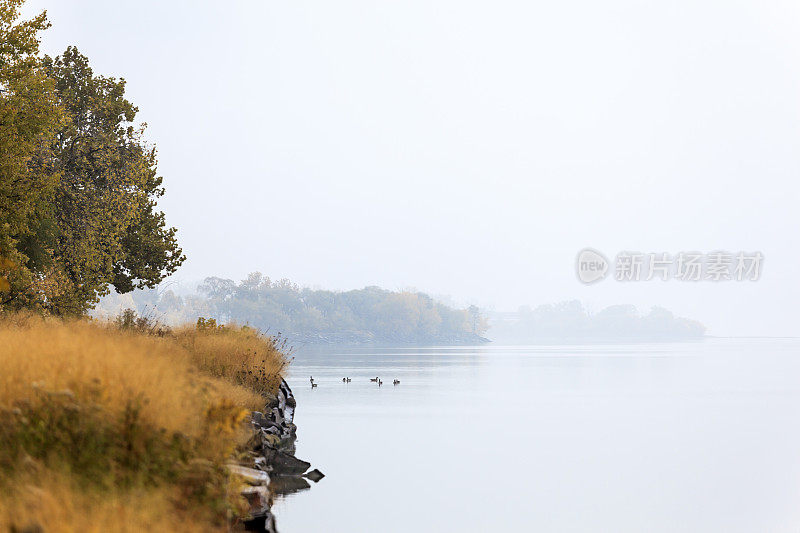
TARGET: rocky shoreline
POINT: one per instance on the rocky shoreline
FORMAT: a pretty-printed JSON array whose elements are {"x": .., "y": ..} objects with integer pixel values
[{"x": 271, "y": 468}]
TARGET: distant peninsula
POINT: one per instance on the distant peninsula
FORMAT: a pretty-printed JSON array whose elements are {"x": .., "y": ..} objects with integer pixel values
[
  {"x": 373, "y": 315},
  {"x": 306, "y": 316},
  {"x": 570, "y": 321}
]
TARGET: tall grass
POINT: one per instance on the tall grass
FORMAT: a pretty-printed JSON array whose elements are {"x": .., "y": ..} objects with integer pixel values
[
  {"x": 240, "y": 354},
  {"x": 129, "y": 430}
]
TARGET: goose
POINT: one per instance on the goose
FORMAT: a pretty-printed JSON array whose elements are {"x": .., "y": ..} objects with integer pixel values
[
  {"x": 344, "y": 380},
  {"x": 395, "y": 382},
  {"x": 313, "y": 385},
  {"x": 374, "y": 379},
  {"x": 349, "y": 380},
  {"x": 312, "y": 379},
  {"x": 380, "y": 383}
]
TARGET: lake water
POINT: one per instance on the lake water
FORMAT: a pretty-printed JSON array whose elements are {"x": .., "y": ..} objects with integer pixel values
[{"x": 680, "y": 437}]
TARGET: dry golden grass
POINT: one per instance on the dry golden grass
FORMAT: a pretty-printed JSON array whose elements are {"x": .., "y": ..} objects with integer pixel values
[
  {"x": 110, "y": 430},
  {"x": 108, "y": 368},
  {"x": 239, "y": 354},
  {"x": 54, "y": 504}
]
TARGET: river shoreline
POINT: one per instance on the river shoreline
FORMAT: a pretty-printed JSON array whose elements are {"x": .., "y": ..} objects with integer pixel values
[{"x": 271, "y": 468}]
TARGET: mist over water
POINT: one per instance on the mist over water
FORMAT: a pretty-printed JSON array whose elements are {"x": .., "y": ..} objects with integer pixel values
[
  {"x": 469, "y": 148},
  {"x": 691, "y": 437}
]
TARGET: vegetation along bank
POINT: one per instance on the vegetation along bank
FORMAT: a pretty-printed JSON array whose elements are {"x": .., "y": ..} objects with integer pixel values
[{"x": 128, "y": 426}]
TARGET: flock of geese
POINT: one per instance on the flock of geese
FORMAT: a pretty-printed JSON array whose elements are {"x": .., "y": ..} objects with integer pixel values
[{"x": 376, "y": 379}]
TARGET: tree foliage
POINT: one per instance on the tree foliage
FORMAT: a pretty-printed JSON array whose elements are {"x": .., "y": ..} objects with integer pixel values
[
  {"x": 78, "y": 182},
  {"x": 371, "y": 314},
  {"x": 29, "y": 116}
]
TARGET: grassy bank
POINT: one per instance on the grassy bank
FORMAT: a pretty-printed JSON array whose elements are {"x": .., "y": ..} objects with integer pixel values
[{"x": 108, "y": 428}]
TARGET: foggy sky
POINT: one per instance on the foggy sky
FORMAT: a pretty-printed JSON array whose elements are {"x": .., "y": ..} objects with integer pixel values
[{"x": 469, "y": 148}]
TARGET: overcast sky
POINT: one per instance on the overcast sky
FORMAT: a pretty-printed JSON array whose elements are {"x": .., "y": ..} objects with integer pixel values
[{"x": 470, "y": 148}]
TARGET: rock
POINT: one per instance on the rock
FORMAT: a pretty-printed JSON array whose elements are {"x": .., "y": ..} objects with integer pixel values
[
  {"x": 281, "y": 398},
  {"x": 271, "y": 430},
  {"x": 289, "y": 403},
  {"x": 260, "y": 516},
  {"x": 272, "y": 443},
  {"x": 258, "y": 419},
  {"x": 260, "y": 463},
  {"x": 251, "y": 476},
  {"x": 283, "y": 485},
  {"x": 262, "y": 524},
  {"x": 257, "y": 497},
  {"x": 286, "y": 444},
  {"x": 270, "y": 440},
  {"x": 314, "y": 475},
  {"x": 277, "y": 417},
  {"x": 284, "y": 464}
]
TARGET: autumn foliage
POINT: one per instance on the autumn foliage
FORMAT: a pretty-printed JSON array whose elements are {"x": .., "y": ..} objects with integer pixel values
[{"x": 78, "y": 181}]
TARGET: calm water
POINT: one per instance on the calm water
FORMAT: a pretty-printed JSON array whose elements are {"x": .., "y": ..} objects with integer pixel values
[{"x": 701, "y": 437}]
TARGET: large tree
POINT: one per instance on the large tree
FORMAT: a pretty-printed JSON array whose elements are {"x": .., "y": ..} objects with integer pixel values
[
  {"x": 78, "y": 183},
  {"x": 109, "y": 230}
]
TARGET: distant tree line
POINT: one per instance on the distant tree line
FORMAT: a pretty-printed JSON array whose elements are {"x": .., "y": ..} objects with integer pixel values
[
  {"x": 570, "y": 320},
  {"x": 78, "y": 182},
  {"x": 369, "y": 315}
]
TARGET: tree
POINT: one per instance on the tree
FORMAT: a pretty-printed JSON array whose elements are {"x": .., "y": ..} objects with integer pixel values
[
  {"x": 108, "y": 229},
  {"x": 477, "y": 322},
  {"x": 78, "y": 183},
  {"x": 29, "y": 115},
  {"x": 366, "y": 315}
]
